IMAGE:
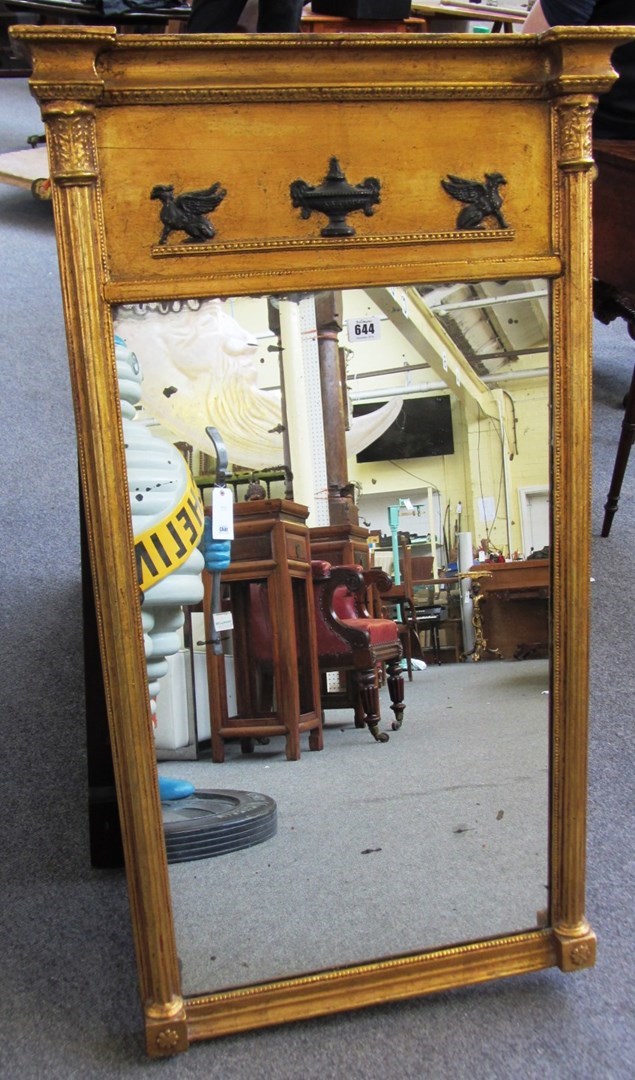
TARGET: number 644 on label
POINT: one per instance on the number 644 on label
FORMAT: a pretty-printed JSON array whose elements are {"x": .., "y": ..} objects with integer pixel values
[{"x": 363, "y": 329}]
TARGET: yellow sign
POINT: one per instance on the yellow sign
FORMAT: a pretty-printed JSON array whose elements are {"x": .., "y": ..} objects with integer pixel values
[{"x": 167, "y": 545}]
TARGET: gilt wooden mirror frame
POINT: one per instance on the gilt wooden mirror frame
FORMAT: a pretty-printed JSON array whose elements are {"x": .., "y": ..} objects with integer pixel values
[{"x": 125, "y": 114}]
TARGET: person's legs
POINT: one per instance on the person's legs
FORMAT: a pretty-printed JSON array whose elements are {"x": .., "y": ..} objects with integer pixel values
[
  {"x": 215, "y": 16},
  {"x": 279, "y": 16}
]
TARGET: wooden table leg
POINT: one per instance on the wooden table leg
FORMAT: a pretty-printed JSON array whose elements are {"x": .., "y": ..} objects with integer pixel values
[
  {"x": 609, "y": 304},
  {"x": 627, "y": 438}
]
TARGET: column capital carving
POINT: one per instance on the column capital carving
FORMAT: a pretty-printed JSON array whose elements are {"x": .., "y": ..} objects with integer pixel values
[
  {"x": 573, "y": 134},
  {"x": 71, "y": 142}
]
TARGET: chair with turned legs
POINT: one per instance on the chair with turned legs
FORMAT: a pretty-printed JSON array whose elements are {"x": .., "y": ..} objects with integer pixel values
[{"x": 351, "y": 642}]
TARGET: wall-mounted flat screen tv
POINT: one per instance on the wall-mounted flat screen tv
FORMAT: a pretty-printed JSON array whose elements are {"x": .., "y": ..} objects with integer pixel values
[{"x": 423, "y": 428}]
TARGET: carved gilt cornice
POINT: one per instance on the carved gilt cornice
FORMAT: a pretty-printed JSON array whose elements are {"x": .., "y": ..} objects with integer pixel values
[{"x": 64, "y": 59}]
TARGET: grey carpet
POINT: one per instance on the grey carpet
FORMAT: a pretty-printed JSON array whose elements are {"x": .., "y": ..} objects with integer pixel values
[
  {"x": 436, "y": 837},
  {"x": 70, "y": 1000}
]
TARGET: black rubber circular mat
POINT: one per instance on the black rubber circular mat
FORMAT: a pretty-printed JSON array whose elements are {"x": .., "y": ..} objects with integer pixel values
[{"x": 211, "y": 822}]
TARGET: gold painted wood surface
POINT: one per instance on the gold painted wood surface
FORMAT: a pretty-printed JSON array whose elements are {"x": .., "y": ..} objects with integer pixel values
[{"x": 256, "y": 113}]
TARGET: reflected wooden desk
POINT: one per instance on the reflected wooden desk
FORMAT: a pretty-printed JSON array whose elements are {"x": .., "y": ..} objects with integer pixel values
[{"x": 515, "y": 608}]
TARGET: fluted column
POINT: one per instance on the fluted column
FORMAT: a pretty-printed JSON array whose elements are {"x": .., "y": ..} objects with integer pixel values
[
  {"x": 81, "y": 245},
  {"x": 571, "y": 357}
]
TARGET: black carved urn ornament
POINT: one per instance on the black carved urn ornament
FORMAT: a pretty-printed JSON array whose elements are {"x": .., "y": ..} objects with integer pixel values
[{"x": 335, "y": 198}]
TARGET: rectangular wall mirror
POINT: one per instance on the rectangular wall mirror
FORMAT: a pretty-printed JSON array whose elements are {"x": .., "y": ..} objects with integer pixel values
[
  {"x": 341, "y": 284},
  {"x": 473, "y": 765}
]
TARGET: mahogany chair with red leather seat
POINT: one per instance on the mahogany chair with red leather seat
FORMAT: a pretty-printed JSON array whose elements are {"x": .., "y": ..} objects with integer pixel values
[{"x": 351, "y": 641}]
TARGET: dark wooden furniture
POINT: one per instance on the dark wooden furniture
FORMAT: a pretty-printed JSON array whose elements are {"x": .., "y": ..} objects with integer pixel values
[
  {"x": 351, "y": 641},
  {"x": 420, "y": 568},
  {"x": 271, "y": 600},
  {"x": 614, "y": 272},
  {"x": 79, "y": 12},
  {"x": 54, "y": 12},
  {"x": 341, "y": 545},
  {"x": 345, "y": 545},
  {"x": 434, "y": 619},
  {"x": 428, "y": 622},
  {"x": 396, "y": 603},
  {"x": 514, "y": 608},
  {"x": 314, "y": 23}
]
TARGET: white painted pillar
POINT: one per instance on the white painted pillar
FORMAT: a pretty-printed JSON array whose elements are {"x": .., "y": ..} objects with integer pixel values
[
  {"x": 301, "y": 367},
  {"x": 467, "y": 606}
]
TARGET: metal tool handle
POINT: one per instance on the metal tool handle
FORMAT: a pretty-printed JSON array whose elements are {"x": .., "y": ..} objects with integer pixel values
[{"x": 222, "y": 472}]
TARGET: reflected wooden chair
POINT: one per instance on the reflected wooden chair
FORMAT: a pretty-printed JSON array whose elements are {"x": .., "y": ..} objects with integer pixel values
[
  {"x": 390, "y": 601},
  {"x": 352, "y": 642}
]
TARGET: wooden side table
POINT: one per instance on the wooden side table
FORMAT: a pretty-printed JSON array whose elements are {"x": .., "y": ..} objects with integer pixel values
[
  {"x": 275, "y": 651},
  {"x": 338, "y": 24}
]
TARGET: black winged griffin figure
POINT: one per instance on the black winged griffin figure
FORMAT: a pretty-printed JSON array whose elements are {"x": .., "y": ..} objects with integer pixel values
[
  {"x": 185, "y": 213},
  {"x": 483, "y": 200}
]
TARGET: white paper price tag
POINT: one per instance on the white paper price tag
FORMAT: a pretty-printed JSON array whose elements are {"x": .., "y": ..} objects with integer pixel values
[
  {"x": 363, "y": 329},
  {"x": 223, "y": 620},
  {"x": 222, "y": 514}
]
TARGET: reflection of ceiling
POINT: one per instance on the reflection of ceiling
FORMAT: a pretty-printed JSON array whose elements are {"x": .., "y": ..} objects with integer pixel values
[
  {"x": 468, "y": 338},
  {"x": 215, "y": 368},
  {"x": 499, "y": 327}
]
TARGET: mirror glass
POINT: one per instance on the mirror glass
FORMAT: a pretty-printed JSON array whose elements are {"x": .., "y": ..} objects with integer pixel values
[{"x": 439, "y": 835}]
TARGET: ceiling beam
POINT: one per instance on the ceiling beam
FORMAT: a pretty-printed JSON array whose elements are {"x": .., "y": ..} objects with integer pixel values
[{"x": 410, "y": 315}]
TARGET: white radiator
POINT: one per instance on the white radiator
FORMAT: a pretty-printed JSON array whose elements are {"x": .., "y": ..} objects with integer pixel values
[
  {"x": 172, "y": 731},
  {"x": 176, "y": 726}
]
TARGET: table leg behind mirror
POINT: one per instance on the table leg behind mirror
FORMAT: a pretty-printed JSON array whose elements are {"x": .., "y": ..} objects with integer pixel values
[{"x": 106, "y": 851}]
